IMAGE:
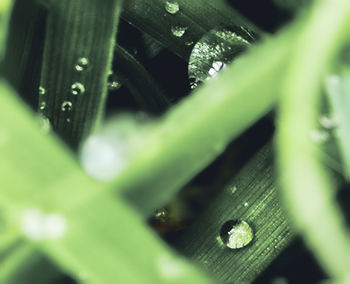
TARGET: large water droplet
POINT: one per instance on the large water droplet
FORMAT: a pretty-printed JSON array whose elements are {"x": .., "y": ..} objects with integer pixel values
[
  {"x": 66, "y": 106},
  {"x": 42, "y": 91},
  {"x": 214, "y": 51},
  {"x": 78, "y": 89},
  {"x": 236, "y": 234},
  {"x": 178, "y": 31},
  {"x": 82, "y": 64},
  {"x": 172, "y": 7},
  {"x": 106, "y": 153},
  {"x": 113, "y": 82}
]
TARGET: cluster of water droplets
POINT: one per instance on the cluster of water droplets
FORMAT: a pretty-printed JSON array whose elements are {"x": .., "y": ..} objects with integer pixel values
[
  {"x": 236, "y": 234},
  {"x": 214, "y": 51}
]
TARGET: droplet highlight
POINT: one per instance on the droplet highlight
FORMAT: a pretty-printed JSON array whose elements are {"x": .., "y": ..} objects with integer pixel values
[
  {"x": 77, "y": 89},
  {"x": 214, "y": 51},
  {"x": 178, "y": 31},
  {"x": 42, "y": 106},
  {"x": 82, "y": 64},
  {"x": 236, "y": 234},
  {"x": 172, "y": 7}
]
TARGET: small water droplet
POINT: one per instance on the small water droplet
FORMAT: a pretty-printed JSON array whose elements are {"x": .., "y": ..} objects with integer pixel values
[
  {"x": 42, "y": 106},
  {"x": 319, "y": 136},
  {"x": 214, "y": 51},
  {"x": 78, "y": 89},
  {"x": 113, "y": 83},
  {"x": 328, "y": 122},
  {"x": 66, "y": 106},
  {"x": 162, "y": 215},
  {"x": 246, "y": 204},
  {"x": 233, "y": 189},
  {"x": 82, "y": 64},
  {"x": 172, "y": 7},
  {"x": 170, "y": 267},
  {"x": 42, "y": 91},
  {"x": 44, "y": 123},
  {"x": 178, "y": 31},
  {"x": 189, "y": 43},
  {"x": 38, "y": 226},
  {"x": 236, "y": 234},
  {"x": 68, "y": 120}
]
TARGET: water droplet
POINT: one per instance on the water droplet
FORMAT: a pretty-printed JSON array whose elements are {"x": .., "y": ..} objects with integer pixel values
[
  {"x": 113, "y": 82},
  {"x": 236, "y": 234},
  {"x": 189, "y": 43},
  {"x": 233, "y": 189},
  {"x": 170, "y": 267},
  {"x": 172, "y": 7},
  {"x": 68, "y": 120},
  {"x": 319, "y": 136},
  {"x": 178, "y": 31},
  {"x": 42, "y": 91},
  {"x": 105, "y": 154},
  {"x": 82, "y": 64},
  {"x": 78, "y": 89},
  {"x": 38, "y": 226},
  {"x": 66, "y": 106},
  {"x": 214, "y": 51},
  {"x": 42, "y": 106},
  {"x": 44, "y": 123},
  {"x": 162, "y": 215},
  {"x": 246, "y": 204},
  {"x": 328, "y": 122}
]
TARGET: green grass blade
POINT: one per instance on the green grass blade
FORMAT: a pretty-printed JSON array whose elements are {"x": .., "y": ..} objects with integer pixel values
[
  {"x": 78, "y": 29},
  {"x": 45, "y": 176},
  {"x": 145, "y": 90},
  {"x": 307, "y": 190},
  {"x": 338, "y": 94},
  {"x": 107, "y": 243},
  {"x": 250, "y": 196},
  {"x": 198, "y": 16},
  {"x": 209, "y": 119}
]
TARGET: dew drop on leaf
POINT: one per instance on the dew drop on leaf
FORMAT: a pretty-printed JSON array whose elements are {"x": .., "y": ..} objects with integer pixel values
[
  {"x": 319, "y": 136},
  {"x": 113, "y": 82},
  {"x": 82, "y": 64},
  {"x": 78, "y": 89},
  {"x": 42, "y": 106},
  {"x": 236, "y": 234},
  {"x": 172, "y": 7},
  {"x": 44, "y": 123},
  {"x": 214, "y": 51},
  {"x": 105, "y": 154},
  {"x": 328, "y": 122},
  {"x": 178, "y": 31},
  {"x": 66, "y": 106},
  {"x": 42, "y": 91}
]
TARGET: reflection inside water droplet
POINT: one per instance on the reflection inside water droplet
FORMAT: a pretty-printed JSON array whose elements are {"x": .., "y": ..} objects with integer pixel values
[
  {"x": 214, "y": 51},
  {"x": 172, "y": 7},
  {"x": 236, "y": 234},
  {"x": 82, "y": 64},
  {"x": 178, "y": 31}
]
